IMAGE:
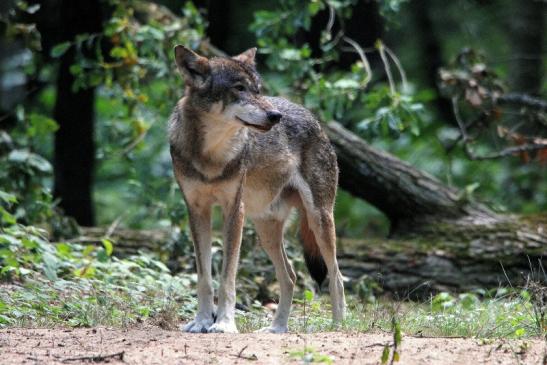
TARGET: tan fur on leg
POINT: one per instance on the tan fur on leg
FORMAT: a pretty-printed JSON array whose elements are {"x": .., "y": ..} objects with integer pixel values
[
  {"x": 270, "y": 233},
  {"x": 200, "y": 226},
  {"x": 323, "y": 228},
  {"x": 234, "y": 216}
]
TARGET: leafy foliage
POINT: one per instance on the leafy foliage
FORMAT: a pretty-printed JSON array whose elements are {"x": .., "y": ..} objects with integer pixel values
[
  {"x": 23, "y": 172},
  {"x": 332, "y": 92},
  {"x": 83, "y": 285},
  {"x": 131, "y": 63}
]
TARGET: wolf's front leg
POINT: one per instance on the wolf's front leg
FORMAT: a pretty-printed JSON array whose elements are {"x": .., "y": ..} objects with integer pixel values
[
  {"x": 233, "y": 227},
  {"x": 200, "y": 225}
]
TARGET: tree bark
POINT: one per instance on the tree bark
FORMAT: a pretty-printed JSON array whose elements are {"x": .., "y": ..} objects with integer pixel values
[
  {"x": 408, "y": 197},
  {"x": 527, "y": 41},
  {"x": 74, "y": 112},
  {"x": 430, "y": 47},
  {"x": 439, "y": 240},
  {"x": 218, "y": 16},
  {"x": 416, "y": 203},
  {"x": 412, "y": 267},
  {"x": 418, "y": 267}
]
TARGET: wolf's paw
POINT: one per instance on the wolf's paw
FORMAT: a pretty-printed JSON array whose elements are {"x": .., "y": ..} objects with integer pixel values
[
  {"x": 198, "y": 325},
  {"x": 223, "y": 327},
  {"x": 273, "y": 329}
]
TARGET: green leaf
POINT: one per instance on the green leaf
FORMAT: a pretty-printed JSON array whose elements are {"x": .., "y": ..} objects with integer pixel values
[
  {"x": 397, "y": 336},
  {"x": 385, "y": 355},
  {"x": 119, "y": 52},
  {"x": 108, "y": 246},
  {"x": 6, "y": 217},
  {"x": 468, "y": 300},
  {"x": 442, "y": 301},
  {"x": 7, "y": 197},
  {"x": 50, "y": 266},
  {"x": 314, "y": 7},
  {"x": 88, "y": 250},
  {"x": 520, "y": 332},
  {"x": 85, "y": 272},
  {"x": 414, "y": 129},
  {"x": 308, "y": 295},
  {"x": 469, "y": 189},
  {"x": 76, "y": 69},
  {"x": 41, "y": 125},
  {"x": 290, "y": 54},
  {"x": 60, "y": 49},
  {"x": 346, "y": 84},
  {"x": 102, "y": 256},
  {"x": 29, "y": 244},
  {"x": 31, "y": 159},
  {"x": 64, "y": 249}
]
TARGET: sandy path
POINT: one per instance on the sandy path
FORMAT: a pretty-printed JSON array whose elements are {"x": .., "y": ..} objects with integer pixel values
[{"x": 151, "y": 345}]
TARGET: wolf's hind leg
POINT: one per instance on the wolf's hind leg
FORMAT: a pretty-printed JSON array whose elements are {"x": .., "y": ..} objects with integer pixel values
[
  {"x": 270, "y": 233},
  {"x": 321, "y": 222},
  {"x": 318, "y": 203},
  {"x": 288, "y": 265}
]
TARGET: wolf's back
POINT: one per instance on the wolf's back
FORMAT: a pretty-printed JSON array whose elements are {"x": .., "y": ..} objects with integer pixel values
[{"x": 318, "y": 167}]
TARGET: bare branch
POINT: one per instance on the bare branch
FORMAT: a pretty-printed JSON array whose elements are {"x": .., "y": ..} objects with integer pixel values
[
  {"x": 507, "y": 151},
  {"x": 458, "y": 117},
  {"x": 97, "y": 358},
  {"x": 332, "y": 15},
  {"x": 385, "y": 61},
  {"x": 399, "y": 66},
  {"x": 366, "y": 64},
  {"x": 468, "y": 127},
  {"x": 523, "y": 100}
]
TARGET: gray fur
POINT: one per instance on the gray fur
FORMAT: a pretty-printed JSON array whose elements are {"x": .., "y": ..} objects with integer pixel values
[{"x": 250, "y": 164}]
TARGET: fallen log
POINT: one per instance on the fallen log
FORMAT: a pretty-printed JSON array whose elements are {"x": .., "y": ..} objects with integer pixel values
[
  {"x": 418, "y": 204},
  {"x": 439, "y": 239},
  {"x": 412, "y": 267}
]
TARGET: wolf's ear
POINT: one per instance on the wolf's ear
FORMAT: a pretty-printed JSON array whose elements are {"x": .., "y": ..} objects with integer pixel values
[
  {"x": 247, "y": 57},
  {"x": 194, "y": 68}
]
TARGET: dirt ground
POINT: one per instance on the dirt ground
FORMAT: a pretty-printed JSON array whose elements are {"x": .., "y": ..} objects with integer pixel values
[{"x": 152, "y": 345}]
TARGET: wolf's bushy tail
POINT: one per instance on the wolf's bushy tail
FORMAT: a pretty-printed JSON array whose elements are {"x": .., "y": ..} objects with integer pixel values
[{"x": 312, "y": 255}]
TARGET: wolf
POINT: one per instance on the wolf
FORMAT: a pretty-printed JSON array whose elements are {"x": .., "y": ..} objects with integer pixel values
[{"x": 255, "y": 156}]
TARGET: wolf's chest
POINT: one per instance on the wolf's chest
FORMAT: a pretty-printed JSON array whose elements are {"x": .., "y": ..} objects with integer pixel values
[
  {"x": 258, "y": 202},
  {"x": 262, "y": 194}
]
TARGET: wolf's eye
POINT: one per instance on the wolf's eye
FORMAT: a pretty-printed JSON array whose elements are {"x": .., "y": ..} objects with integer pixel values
[{"x": 240, "y": 87}]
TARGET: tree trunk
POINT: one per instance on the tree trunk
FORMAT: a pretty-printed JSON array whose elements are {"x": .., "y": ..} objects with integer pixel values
[
  {"x": 419, "y": 267},
  {"x": 409, "y": 198},
  {"x": 439, "y": 239},
  {"x": 527, "y": 40},
  {"x": 416, "y": 203},
  {"x": 218, "y": 16},
  {"x": 432, "y": 59},
  {"x": 414, "y": 266},
  {"x": 74, "y": 112}
]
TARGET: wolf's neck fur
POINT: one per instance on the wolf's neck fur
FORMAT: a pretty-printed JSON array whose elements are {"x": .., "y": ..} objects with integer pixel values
[
  {"x": 222, "y": 141},
  {"x": 212, "y": 142}
]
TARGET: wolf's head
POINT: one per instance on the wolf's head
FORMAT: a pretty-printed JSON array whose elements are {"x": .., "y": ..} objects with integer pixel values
[{"x": 227, "y": 88}]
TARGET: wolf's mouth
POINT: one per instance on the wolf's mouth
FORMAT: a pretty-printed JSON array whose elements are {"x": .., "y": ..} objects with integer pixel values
[{"x": 262, "y": 128}]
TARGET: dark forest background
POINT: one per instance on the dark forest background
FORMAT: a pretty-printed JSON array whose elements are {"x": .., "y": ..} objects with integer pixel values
[{"x": 436, "y": 108}]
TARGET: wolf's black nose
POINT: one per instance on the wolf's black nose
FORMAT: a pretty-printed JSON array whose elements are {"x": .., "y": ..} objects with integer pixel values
[{"x": 274, "y": 116}]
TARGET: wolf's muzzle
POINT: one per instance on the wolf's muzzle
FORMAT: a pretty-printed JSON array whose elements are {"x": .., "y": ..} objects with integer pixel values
[{"x": 273, "y": 116}]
